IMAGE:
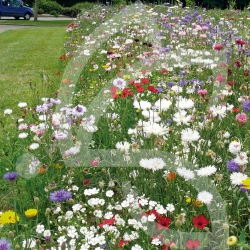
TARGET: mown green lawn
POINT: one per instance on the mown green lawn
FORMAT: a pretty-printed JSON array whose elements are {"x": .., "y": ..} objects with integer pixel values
[{"x": 26, "y": 54}]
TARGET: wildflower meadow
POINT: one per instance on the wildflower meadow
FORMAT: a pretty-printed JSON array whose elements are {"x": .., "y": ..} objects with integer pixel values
[{"x": 146, "y": 142}]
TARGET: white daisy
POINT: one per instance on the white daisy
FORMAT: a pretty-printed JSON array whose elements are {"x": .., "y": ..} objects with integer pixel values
[
  {"x": 189, "y": 135},
  {"x": 7, "y": 111},
  {"x": 205, "y": 197},
  {"x": 187, "y": 174},
  {"x": 181, "y": 117},
  {"x": 236, "y": 178},
  {"x": 206, "y": 171},
  {"x": 163, "y": 104},
  {"x": 241, "y": 158},
  {"x": 234, "y": 147}
]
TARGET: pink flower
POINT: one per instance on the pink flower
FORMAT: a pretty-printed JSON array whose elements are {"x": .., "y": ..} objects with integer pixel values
[
  {"x": 22, "y": 126},
  {"x": 220, "y": 78},
  {"x": 94, "y": 163},
  {"x": 202, "y": 92},
  {"x": 241, "y": 118}
]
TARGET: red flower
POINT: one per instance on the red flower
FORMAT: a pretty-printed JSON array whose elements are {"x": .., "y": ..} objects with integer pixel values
[
  {"x": 200, "y": 221},
  {"x": 163, "y": 222},
  {"x": 192, "y": 245},
  {"x": 154, "y": 212},
  {"x": 235, "y": 110},
  {"x": 94, "y": 163},
  {"x": 237, "y": 64},
  {"x": 86, "y": 182},
  {"x": 122, "y": 243},
  {"x": 113, "y": 92},
  {"x": 63, "y": 57},
  {"x": 232, "y": 83},
  {"x": 58, "y": 73},
  {"x": 126, "y": 92},
  {"x": 109, "y": 222},
  {"x": 167, "y": 247},
  {"x": 152, "y": 89},
  {"x": 218, "y": 47},
  {"x": 240, "y": 42},
  {"x": 145, "y": 80}
]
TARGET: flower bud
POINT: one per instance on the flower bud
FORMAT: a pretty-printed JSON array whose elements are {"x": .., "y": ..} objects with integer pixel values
[{"x": 232, "y": 240}]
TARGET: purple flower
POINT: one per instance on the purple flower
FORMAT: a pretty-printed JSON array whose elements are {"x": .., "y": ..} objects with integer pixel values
[
  {"x": 246, "y": 105},
  {"x": 60, "y": 195},
  {"x": 232, "y": 166},
  {"x": 4, "y": 244},
  {"x": 11, "y": 176}
]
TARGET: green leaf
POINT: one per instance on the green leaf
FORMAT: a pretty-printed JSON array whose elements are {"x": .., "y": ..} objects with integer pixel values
[{"x": 242, "y": 238}]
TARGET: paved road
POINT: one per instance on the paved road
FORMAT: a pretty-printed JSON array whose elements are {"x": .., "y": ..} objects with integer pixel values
[{"x": 4, "y": 27}]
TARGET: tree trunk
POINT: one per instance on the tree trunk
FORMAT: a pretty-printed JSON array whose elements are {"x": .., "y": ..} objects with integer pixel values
[{"x": 36, "y": 10}]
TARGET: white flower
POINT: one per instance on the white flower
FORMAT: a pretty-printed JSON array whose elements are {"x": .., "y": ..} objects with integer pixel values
[
  {"x": 136, "y": 247},
  {"x": 234, "y": 147},
  {"x": 77, "y": 207},
  {"x": 39, "y": 229},
  {"x": 206, "y": 171},
  {"x": 29, "y": 243},
  {"x": 205, "y": 197},
  {"x": 183, "y": 103},
  {"x": 22, "y": 104},
  {"x": 119, "y": 83},
  {"x": 142, "y": 105},
  {"x": 152, "y": 163},
  {"x": 34, "y": 146},
  {"x": 89, "y": 192},
  {"x": 170, "y": 207},
  {"x": 189, "y": 135},
  {"x": 176, "y": 89},
  {"x": 7, "y": 111},
  {"x": 236, "y": 178},
  {"x": 22, "y": 135},
  {"x": 98, "y": 213},
  {"x": 163, "y": 104},
  {"x": 46, "y": 233},
  {"x": 241, "y": 158},
  {"x": 123, "y": 146},
  {"x": 219, "y": 111},
  {"x": 69, "y": 215},
  {"x": 187, "y": 174},
  {"x": 181, "y": 117},
  {"x": 109, "y": 193}
]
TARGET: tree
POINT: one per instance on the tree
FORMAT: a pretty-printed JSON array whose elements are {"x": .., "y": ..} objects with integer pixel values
[{"x": 36, "y": 10}]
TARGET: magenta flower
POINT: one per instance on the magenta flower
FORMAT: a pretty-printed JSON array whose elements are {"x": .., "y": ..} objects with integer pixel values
[{"x": 241, "y": 118}]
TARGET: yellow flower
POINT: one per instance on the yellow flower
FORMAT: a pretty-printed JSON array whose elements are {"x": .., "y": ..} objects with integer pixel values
[
  {"x": 30, "y": 213},
  {"x": 195, "y": 203},
  {"x": 232, "y": 240},
  {"x": 246, "y": 183},
  {"x": 57, "y": 165},
  {"x": 9, "y": 217},
  {"x": 126, "y": 77}
]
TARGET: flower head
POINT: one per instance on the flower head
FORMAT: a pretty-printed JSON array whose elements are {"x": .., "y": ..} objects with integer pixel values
[
  {"x": 246, "y": 183},
  {"x": 8, "y": 217},
  {"x": 192, "y": 244},
  {"x": 232, "y": 240},
  {"x": 200, "y": 221},
  {"x": 11, "y": 176},
  {"x": 4, "y": 244},
  {"x": 30, "y": 213},
  {"x": 60, "y": 195},
  {"x": 246, "y": 105}
]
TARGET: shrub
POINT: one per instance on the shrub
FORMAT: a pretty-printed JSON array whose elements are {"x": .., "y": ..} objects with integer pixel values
[
  {"x": 50, "y": 7},
  {"x": 71, "y": 11},
  {"x": 85, "y": 5}
]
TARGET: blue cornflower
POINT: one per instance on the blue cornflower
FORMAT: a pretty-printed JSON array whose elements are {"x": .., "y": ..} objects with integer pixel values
[
  {"x": 232, "y": 166},
  {"x": 4, "y": 244},
  {"x": 246, "y": 105},
  {"x": 60, "y": 195},
  {"x": 11, "y": 176}
]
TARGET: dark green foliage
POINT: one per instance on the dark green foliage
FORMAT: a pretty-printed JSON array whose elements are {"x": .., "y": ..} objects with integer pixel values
[
  {"x": 50, "y": 7},
  {"x": 71, "y": 11}
]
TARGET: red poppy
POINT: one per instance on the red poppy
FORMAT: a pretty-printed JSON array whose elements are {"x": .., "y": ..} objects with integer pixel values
[
  {"x": 86, "y": 182},
  {"x": 152, "y": 89},
  {"x": 192, "y": 245},
  {"x": 236, "y": 109},
  {"x": 163, "y": 222},
  {"x": 171, "y": 176},
  {"x": 122, "y": 243},
  {"x": 218, "y": 47},
  {"x": 63, "y": 57},
  {"x": 109, "y": 222},
  {"x": 145, "y": 80},
  {"x": 58, "y": 73},
  {"x": 126, "y": 92},
  {"x": 200, "y": 221}
]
